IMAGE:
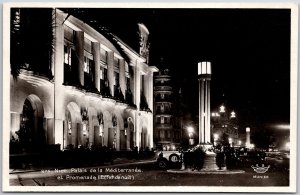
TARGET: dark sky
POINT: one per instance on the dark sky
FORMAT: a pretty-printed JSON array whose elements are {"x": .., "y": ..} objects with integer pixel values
[{"x": 249, "y": 50}]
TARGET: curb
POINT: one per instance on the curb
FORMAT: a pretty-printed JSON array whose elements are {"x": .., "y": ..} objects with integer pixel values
[{"x": 207, "y": 172}]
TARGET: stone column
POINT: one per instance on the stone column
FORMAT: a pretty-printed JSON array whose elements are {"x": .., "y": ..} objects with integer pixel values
[
  {"x": 49, "y": 127},
  {"x": 137, "y": 99},
  {"x": 208, "y": 113},
  {"x": 137, "y": 86},
  {"x": 150, "y": 104},
  {"x": 14, "y": 123},
  {"x": 96, "y": 54},
  {"x": 137, "y": 129},
  {"x": 75, "y": 134},
  {"x": 206, "y": 130},
  {"x": 150, "y": 130},
  {"x": 59, "y": 78},
  {"x": 147, "y": 88},
  {"x": 91, "y": 131},
  {"x": 122, "y": 76},
  {"x": 118, "y": 131},
  {"x": 79, "y": 45},
  {"x": 150, "y": 90},
  {"x": 201, "y": 110},
  {"x": 110, "y": 71},
  {"x": 97, "y": 137}
]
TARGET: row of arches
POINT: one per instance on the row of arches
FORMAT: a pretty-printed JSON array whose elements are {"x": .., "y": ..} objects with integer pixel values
[
  {"x": 82, "y": 127},
  {"x": 86, "y": 127}
]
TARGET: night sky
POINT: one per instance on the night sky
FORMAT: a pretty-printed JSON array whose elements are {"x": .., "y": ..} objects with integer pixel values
[{"x": 249, "y": 50}]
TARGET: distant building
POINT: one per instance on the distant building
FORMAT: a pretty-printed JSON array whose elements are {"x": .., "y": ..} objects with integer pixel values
[
  {"x": 224, "y": 125},
  {"x": 90, "y": 89},
  {"x": 166, "y": 135}
]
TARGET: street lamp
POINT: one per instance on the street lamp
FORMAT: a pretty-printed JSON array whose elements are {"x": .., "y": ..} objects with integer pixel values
[
  {"x": 216, "y": 137},
  {"x": 230, "y": 141},
  {"x": 222, "y": 109},
  {"x": 232, "y": 114},
  {"x": 190, "y": 132}
]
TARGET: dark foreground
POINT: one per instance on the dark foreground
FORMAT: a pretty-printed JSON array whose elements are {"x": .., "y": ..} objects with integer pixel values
[{"x": 147, "y": 174}]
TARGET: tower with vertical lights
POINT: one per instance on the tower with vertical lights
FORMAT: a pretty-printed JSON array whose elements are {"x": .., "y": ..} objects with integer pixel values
[{"x": 204, "y": 77}]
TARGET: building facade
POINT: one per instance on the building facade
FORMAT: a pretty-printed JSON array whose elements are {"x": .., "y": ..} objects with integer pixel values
[
  {"x": 166, "y": 136},
  {"x": 94, "y": 96},
  {"x": 225, "y": 127}
]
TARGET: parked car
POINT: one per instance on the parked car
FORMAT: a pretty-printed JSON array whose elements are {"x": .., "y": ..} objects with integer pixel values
[
  {"x": 168, "y": 159},
  {"x": 193, "y": 158}
]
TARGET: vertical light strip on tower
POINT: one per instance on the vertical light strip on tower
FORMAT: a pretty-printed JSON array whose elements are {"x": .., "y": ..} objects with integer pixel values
[{"x": 204, "y": 76}]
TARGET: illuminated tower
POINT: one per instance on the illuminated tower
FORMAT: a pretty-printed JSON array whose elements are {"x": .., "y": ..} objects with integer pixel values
[
  {"x": 204, "y": 77},
  {"x": 248, "y": 137}
]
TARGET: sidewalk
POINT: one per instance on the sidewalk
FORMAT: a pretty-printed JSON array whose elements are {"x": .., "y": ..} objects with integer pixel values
[
  {"x": 116, "y": 163},
  {"x": 206, "y": 171}
]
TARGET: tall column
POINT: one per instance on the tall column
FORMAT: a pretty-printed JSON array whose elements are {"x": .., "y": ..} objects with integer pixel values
[
  {"x": 150, "y": 102},
  {"x": 14, "y": 123},
  {"x": 137, "y": 87},
  {"x": 247, "y": 137},
  {"x": 201, "y": 114},
  {"x": 96, "y": 54},
  {"x": 137, "y": 97},
  {"x": 110, "y": 71},
  {"x": 59, "y": 78},
  {"x": 204, "y": 74},
  {"x": 208, "y": 113},
  {"x": 122, "y": 78},
  {"x": 150, "y": 95},
  {"x": 79, "y": 40},
  {"x": 150, "y": 130},
  {"x": 207, "y": 116},
  {"x": 146, "y": 87}
]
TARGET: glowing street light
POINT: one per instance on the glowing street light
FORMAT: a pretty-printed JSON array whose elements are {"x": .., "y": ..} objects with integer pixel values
[
  {"x": 230, "y": 141},
  {"x": 240, "y": 142},
  {"x": 216, "y": 136},
  {"x": 287, "y": 146},
  {"x": 222, "y": 109},
  {"x": 232, "y": 114},
  {"x": 191, "y": 131}
]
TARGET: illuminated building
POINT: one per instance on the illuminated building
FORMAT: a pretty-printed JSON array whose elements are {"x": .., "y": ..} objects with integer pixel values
[
  {"x": 96, "y": 90},
  {"x": 224, "y": 125},
  {"x": 166, "y": 135}
]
